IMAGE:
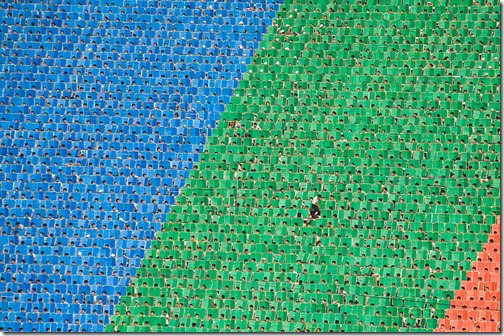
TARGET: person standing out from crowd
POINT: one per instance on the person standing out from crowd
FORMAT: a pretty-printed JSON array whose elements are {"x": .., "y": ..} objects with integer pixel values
[{"x": 315, "y": 209}]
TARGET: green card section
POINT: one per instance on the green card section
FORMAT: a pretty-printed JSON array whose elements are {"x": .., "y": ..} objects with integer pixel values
[{"x": 387, "y": 111}]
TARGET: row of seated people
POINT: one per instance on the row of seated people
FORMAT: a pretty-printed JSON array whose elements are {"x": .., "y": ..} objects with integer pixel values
[
  {"x": 76, "y": 228},
  {"x": 131, "y": 206},
  {"x": 308, "y": 115},
  {"x": 247, "y": 318},
  {"x": 239, "y": 143},
  {"x": 168, "y": 26},
  {"x": 48, "y": 278},
  {"x": 269, "y": 220},
  {"x": 364, "y": 140},
  {"x": 91, "y": 303},
  {"x": 160, "y": 113},
  {"x": 47, "y": 314},
  {"x": 340, "y": 196},
  {"x": 205, "y": 42},
  {"x": 62, "y": 232},
  {"x": 364, "y": 102},
  {"x": 364, "y": 25},
  {"x": 139, "y": 18},
  {"x": 261, "y": 326},
  {"x": 441, "y": 16},
  {"x": 73, "y": 211},
  {"x": 474, "y": 313},
  {"x": 386, "y": 275},
  {"x": 102, "y": 185},
  {"x": 477, "y": 174},
  {"x": 236, "y": 261},
  {"x": 27, "y": 197},
  {"x": 163, "y": 49},
  {"x": 398, "y": 91},
  {"x": 141, "y": 5},
  {"x": 341, "y": 178},
  {"x": 40, "y": 237},
  {"x": 274, "y": 311},
  {"x": 403, "y": 296},
  {"x": 79, "y": 174},
  {"x": 448, "y": 325},
  {"x": 87, "y": 120},
  {"x": 400, "y": 109},
  {"x": 63, "y": 94},
  {"x": 64, "y": 143},
  {"x": 371, "y": 121},
  {"x": 442, "y": 61},
  {"x": 114, "y": 83},
  {"x": 36, "y": 92},
  {"x": 347, "y": 211},
  {"x": 110, "y": 219},
  {"x": 115, "y": 66},
  {"x": 85, "y": 153},
  {"x": 406, "y": 117},
  {"x": 415, "y": 7},
  {"x": 91, "y": 17},
  {"x": 72, "y": 95},
  {"x": 112, "y": 88},
  {"x": 354, "y": 182},
  {"x": 418, "y": 32},
  {"x": 188, "y": 66},
  {"x": 364, "y": 31},
  {"x": 32, "y": 135},
  {"x": 52, "y": 327},
  {"x": 206, "y": 37},
  {"x": 107, "y": 258},
  {"x": 206, "y": 249},
  {"x": 130, "y": 114}
]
